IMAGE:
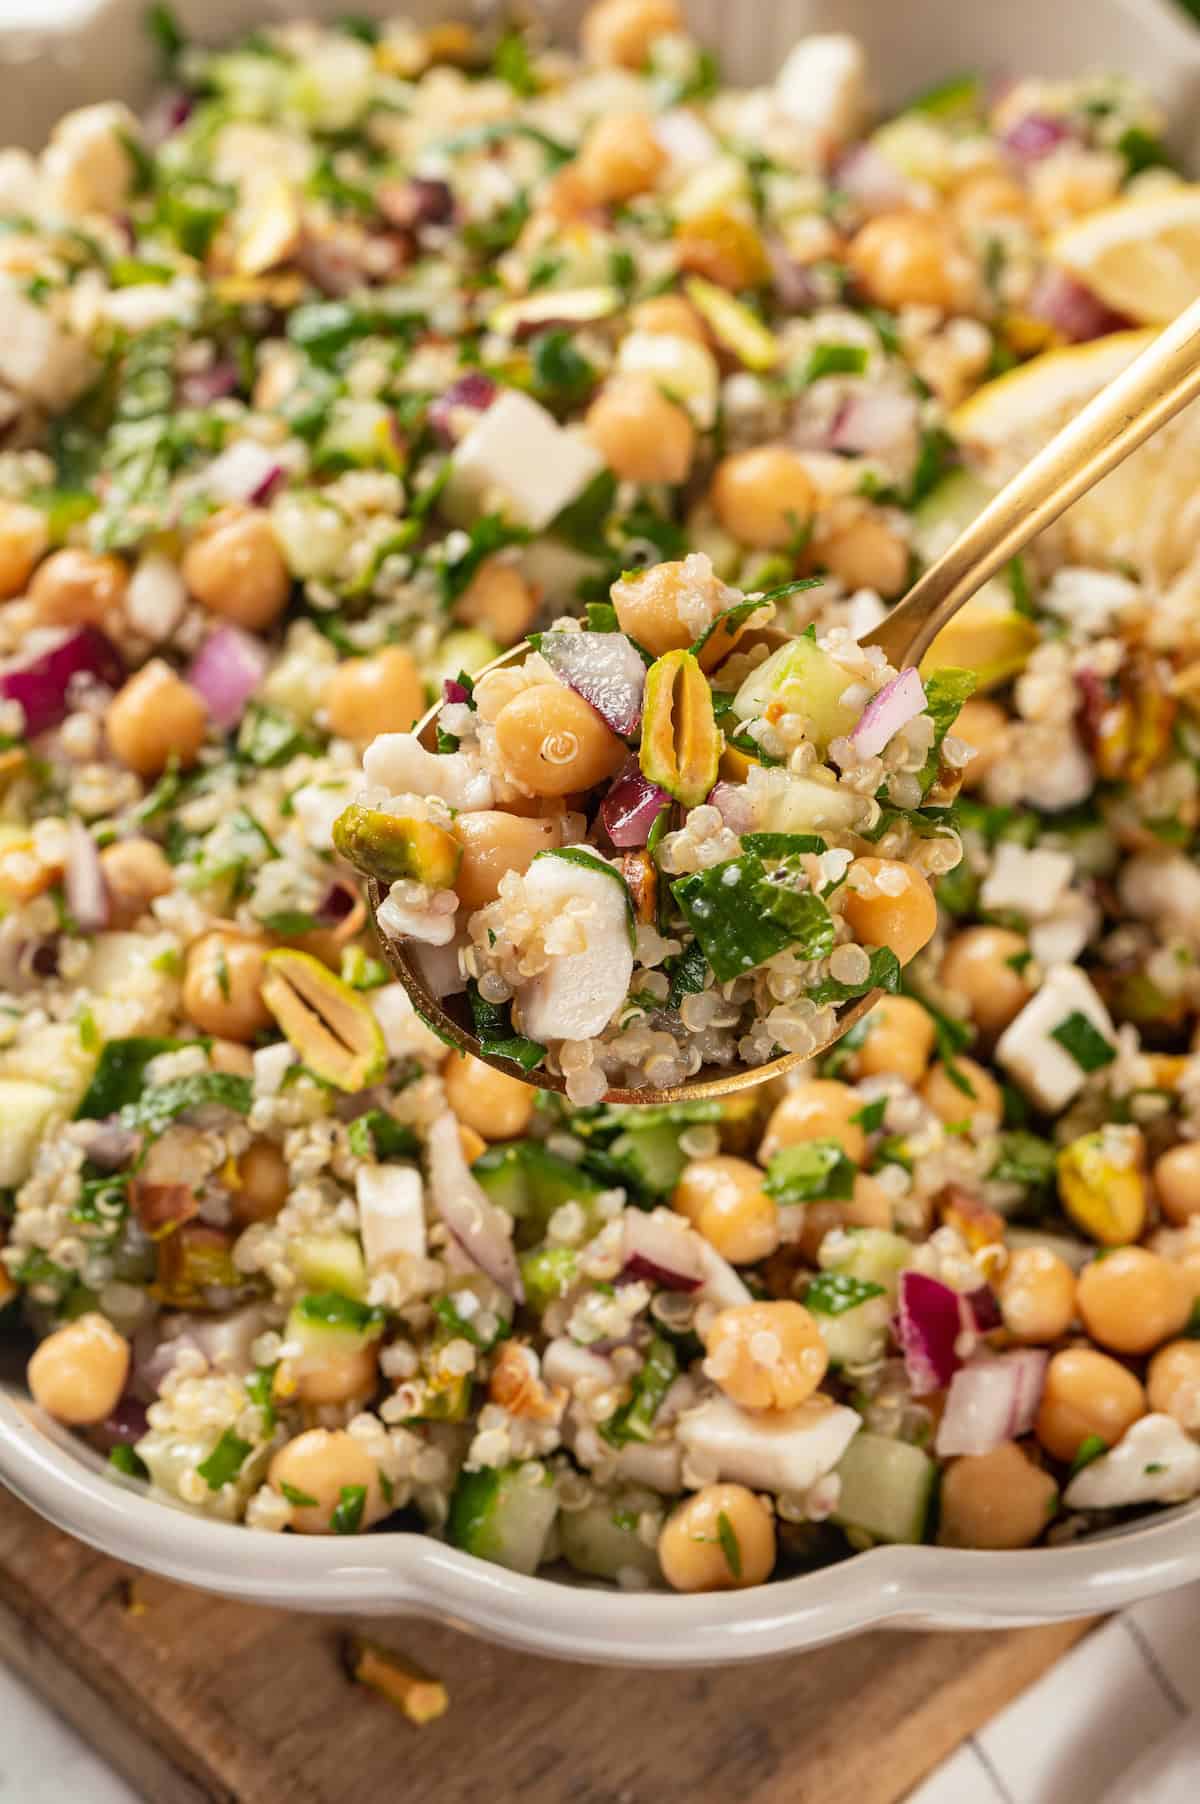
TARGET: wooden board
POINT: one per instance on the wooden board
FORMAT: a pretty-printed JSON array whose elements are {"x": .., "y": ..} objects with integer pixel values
[{"x": 196, "y": 1700}]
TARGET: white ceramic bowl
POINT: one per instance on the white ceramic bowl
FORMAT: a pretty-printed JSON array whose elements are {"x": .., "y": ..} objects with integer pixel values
[{"x": 94, "y": 49}]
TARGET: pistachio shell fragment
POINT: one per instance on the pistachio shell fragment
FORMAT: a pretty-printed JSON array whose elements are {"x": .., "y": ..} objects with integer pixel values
[
  {"x": 993, "y": 642},
  {"x": 641, "y": 880},
  {"x": 392, "y": 846},
  {"x": 733, "y": 325},
  {"x": 331, "y": 1026},
  {"x": 1102, "y": 1185},
  {"x": 681, "y": 742},
  {"x": 267, "y": 232}
]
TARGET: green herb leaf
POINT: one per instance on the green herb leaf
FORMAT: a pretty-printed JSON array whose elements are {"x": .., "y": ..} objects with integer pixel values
[
  {"x": 460, "y": 1326},
  {"x": 157, "y": 1108},
  {"x": 268, "y": 738},
  {"x": 810, "y": 1171},
  {"x": 120, "y": 1073},
  {"x": 299, "y": 1499},
  {"x": 883, "y": 974},
  {"x": 687, "y": 973},
  {"x": 348, "y": 1513},
  {"x": 870, "y": 1116},
  {"x": 833, "y": 360},
  {"x": 330, "y": 1309},
  {"x": 1091, "y": 1448},
  {"x": 127, "y": 1461},
  {"x": 490, "y": 534},
  {"x": 730, "y": 1546},
  {"x": 582, "y": 523},
  {"x": 225, "y": 1461},
  {"x": 562, "y": 376},
  {"x": 782, "y": 845},
  {"x": 378, "y": 1135},
  {"x": 1024, "y": 1159},
  {"x": 602, "y": 617},
  {"x": 1084, "y": 1041},
  {"x": 634, "y": 1421},
  {"x": 741, "y": 918},
  {"x": 834, "y": 1293},
  {"x": 945, "y": 693}
]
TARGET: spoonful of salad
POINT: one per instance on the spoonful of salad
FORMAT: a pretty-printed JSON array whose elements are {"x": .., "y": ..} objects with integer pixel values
[{"x": 673, "y": 852}]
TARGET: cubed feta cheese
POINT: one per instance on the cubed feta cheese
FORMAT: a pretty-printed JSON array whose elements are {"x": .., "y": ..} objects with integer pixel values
[
  {"x": 405, "y": 1034},
  {"x": 1155, "y": 1461},
  {"x": 391, "y": 1212},
  {"x": 518, "y": 460},
  {"x": 37, "y": 358},
  {"x": 156, "y": 599},
  {"x": 1030, "y": 882},
  {"x": 823, "y": 84},
  {"x": 1059, "y": 782},
  {"x": 1044, "y": 1069},
  {"x": 316, "y": 806},
  {"x": 578, "y": 993},
  {"x": 788, "y": 1450}
]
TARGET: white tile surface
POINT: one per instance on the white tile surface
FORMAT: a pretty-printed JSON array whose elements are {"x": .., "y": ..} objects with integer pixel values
[{"x": 43, "y": 1761}]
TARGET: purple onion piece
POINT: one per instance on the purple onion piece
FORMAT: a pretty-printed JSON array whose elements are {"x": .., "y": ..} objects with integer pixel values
[
  {"x": 992, "y": 1401},
  {"x": 632, "y": 806},
  {"x": 1071, "y": 308},
  {"x": 606, "y": 669},
  {"x": 226, "y": 671},
  {"x": 83, "y": 880},
  {"x": 929, "y": 1325},
  {"x": 126, "y": 1425},
  {"x": 896, "y": 704},
  {"x": 985, "y": 1309},
  {"x": 657, "y": 1249},
  {"x": 873, "y": 422},
  {"x": 733, "y": 805},
  {"x": 203, "y": 387},
  {"x": 339, "y": 900},
  {"x": 478, "y": 1226},
  {"x": 454, "y": 692},
  {"x": 473, "y": 392},
  {"x": 1035, "y": 136},
  {"x": 41, "y": 683}
]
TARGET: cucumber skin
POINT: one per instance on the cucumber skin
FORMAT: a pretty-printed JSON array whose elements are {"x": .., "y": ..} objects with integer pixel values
[
  {"x": 875, "y": 1472},
  {"x": 480, "y": 1510}
]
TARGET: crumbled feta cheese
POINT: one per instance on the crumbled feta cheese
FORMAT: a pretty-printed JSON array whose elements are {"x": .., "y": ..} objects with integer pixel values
[
  {"x": 1046, "y": 1071},
  {"x": 391, "y": 1212},
  {"x": 87, "y": 167},
  {"x": 823, "y": 84},
  {"x": 1155, "y": 1461},
  {"x": 405, "y": 1034},
  {"x": 519, "y": 456},
  {"x": 1027, "y": 880},
  {"x": 1088, "y": 600},
  {"x": 271, "y": 1064},
  {"x": 156, "y": 597},
  {"x": 317, "y": 805},
  {"x": 399, "y": 763},
  {"x": 789, "y": 1450},
  {"x": 37, "y": 358}
]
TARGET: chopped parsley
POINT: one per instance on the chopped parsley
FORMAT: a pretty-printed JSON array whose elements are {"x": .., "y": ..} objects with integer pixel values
[
  {"x": 348, "y": 1512},
  {"x": 741, "y": 918},
  {"x": 634, "y": 1421},
  {"x": 1084, "y": 1041},
  {"x": 870, "y": 1116},
  {"x": 730, "y": 1545},
  {"x": 834, "y": 1293},
  {"x": 812, "y": 1170},
  {"x": 299, "y": 1499},
  {"x": 225, "y": 1461},
  {"x": 883, "y": 974},
  {"x": 1090, "y": 1448}
]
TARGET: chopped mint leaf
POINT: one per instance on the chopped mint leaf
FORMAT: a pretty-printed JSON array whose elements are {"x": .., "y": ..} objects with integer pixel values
[
  {"x": 120, "y": 1074},
  {"x": 884, "y": 974},
  {"x": 945, "y": 693},
  {"x": 225, "y": 1461},
  {"x": 330, "y": 1309},
  {"x": 687, "y": 974},
  {"x": 127, "y": 1461},
  {"x": 811, "y": 1170},
  {"x": 870, "y": 1116},
  {"x": 730, "y": 1545},
  {"x": 741, "y": 918},
  {"x": 833, "y": 1293},
  {"x": 1084, "y": 1041},
  {"x": 159, "y": 1106},
  {"x": 833, "y": 360},
  {"x": 1090, "y": 1448},
  {"x": 300, "y": 1500},
  {"x": 634, "y": 1421},
  {"x": 348, "y": 1513}
]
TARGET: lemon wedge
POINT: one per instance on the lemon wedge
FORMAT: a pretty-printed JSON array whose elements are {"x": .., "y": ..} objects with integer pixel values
[
  {"x": 1147, "y": 513},
  {"x": 1140, "y": 257}
]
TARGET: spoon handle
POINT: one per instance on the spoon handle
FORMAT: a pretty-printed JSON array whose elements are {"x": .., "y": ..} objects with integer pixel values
[{"x": 1163, "y": 379}]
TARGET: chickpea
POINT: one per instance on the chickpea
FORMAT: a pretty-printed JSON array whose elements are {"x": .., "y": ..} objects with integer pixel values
[
  {"x": 986, "y": 967},
  {"x": 1132, "y": 1300},
  {"x": 262, "y": 1184},
  {"x": 1086, "y": 1393},
  {"x": 553, "y": 743},
  {"x": 323, "y": 1464},
  {"x": 1173, "y": 1382},
  {"x": 227, "y": 1055},
  {"x": 722, "y": 1539},
  {"x": 498, "y": 601},
  {"x": 1177, "y": 1181},
  {"x": 497, "y": 1106},
  {"x": 910, "y": 259},
  {"x": 235, "y": 568},
  {"x": 724, "y": 1200},
  {"x": 821, "y": 1109},
  {"x": 340, "y": 1376},
  {"x": 155, "y": 717},
  {"x": 995, "y": 1500},
  {"x": 77, "y": 1373},
  {"x": 648, "y": 608},
  {"x": 222, "y": 985},
  {"x": 1037, "y": 1295},
  {"x": 620, "y": 32},
  {"x": 766, "y": 1355},
  {"x": 869, "y": 1207},
  {"x": 641, "y": 435},
  {"x": 868, "y": 555},
  {"x": 135, "y": 872},
  {"x": 380, "y": 694},
  {"x": 472, "y": 1144},
  {"x": 78, "y": 588},
  {"x": 621, "y": 157},
  {"x": 899, "y": 1041},
  {"x": 670, "y": 316},
  {"x": 495, "y": 842},
  {"x": 888, "y": 903},
  {"x": 24, "y": 537},
  {"x": 984, "y": 726},
  {"x": 951, "y": 1103},
  {"x": 988, "y": 195},
  {"x": 764, "y": 497}
]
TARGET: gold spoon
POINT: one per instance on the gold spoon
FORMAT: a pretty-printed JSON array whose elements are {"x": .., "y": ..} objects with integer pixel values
[{"x": 1157, "y": 384}]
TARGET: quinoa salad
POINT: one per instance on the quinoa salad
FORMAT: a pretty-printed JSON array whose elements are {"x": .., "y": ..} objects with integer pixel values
[{"x": 368, "y": 353}]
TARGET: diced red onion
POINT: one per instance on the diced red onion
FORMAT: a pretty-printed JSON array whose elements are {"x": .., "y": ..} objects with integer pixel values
[
  {"x": 868, "y": 179},
  {"x": 165, "y": 117},
  {"x": 796, "y": 288},
  {"x": 605, "y": 669},
  {"x": 873, "y": 422},
  {"x": 991, "y": 1401},
  {"x": 1035, "y": 136},
  {"x": 632, "y": 806},
  {"x": 226, "y": 671},
  {"x": 896, "y": 704},
  {"x": 928, "y": 1328},
  {"x": 454, "y": 692},
  {"x": 1071, "y": 308},
  {"x": 733, "y": 804},
  {"x": 473, "y": 392},
  {"x": 202, "y": 387},
  {"x": 483, "y": 1231},
  {"x": 123, "y": 1427},
  {"x": 86, "y": 890},
  {"x": 421, "y": 200},
  {"x": 660, "y": 1249},
  {"x": 244, "y": 471},
  {"x": 41, "y": 683},
  {"x": 339, "y": 900},
  {"x": 985, "y": 1309}
]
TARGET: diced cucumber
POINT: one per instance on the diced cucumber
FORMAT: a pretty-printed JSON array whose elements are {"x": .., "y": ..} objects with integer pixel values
[
  {"x": 887, "y": 1488},
  {"x": 652, "y": 1156},
  {"x": 601, "y": 1539},
  {"x": 504, "y": 1514},
  {"x": 805, "y": 680},
  {"x": 531, "y": 1183},
  {"x": 874, "y": 1255},
  {"x": 547, "y": 1273},
  {"x": 331, "y": 1262},
  {"x": 25, "y": 1108},
  {"x": 324, "y": 1334},
  {"x": 858, "y": 1336}
]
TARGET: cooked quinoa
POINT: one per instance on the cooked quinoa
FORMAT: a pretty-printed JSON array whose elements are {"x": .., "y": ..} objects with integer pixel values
[{"x": 365, "y": 354}]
